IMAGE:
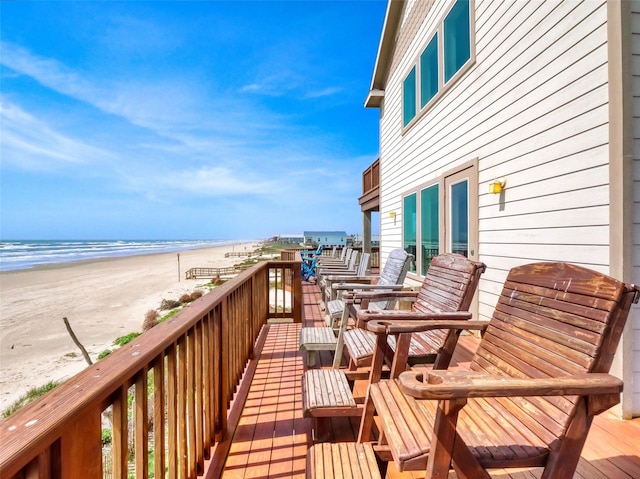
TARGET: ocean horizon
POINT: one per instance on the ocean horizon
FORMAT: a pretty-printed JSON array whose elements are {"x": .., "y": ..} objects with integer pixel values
[{"x": 26, "y": 254}]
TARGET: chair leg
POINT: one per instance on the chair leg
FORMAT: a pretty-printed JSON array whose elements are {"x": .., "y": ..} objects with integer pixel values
[
  {"x": 321, "y": 429},
  {"x": 311, "y": 358},
  {"x": 337, "y": 357}
]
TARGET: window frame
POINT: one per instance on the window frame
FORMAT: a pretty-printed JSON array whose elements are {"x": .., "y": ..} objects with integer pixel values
[{"x": 443, "y": 86}]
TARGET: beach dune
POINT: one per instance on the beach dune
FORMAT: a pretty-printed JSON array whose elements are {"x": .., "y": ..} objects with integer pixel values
[{"x": 103, "y": 299}]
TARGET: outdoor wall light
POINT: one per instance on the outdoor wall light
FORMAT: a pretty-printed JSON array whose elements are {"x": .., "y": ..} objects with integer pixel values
[
  {"x": 392, "y": 214},
  {"x": 496, "y": 186}
]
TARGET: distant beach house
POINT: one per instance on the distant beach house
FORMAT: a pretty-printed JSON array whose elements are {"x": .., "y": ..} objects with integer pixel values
[
  {"x": 510, "y": 132},
  {"x": 291, "y": 238},
  {"x": 326, "y": 238}
]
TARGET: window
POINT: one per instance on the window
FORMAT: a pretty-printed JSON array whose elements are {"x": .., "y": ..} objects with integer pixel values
[
  {"x": 457, "y": 39},
  {"x": 429, "y": 72},
  {"x": 448, "y": 51},
  {"x": 430, "y": 226},
  {"x": 441, "y": 216},
  {"x": 410, "y": 227},
  {"x": 409, "y": 96}
]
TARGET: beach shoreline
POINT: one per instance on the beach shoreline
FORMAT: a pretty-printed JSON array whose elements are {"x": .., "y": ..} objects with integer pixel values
[{"x": 103, "y": 298}]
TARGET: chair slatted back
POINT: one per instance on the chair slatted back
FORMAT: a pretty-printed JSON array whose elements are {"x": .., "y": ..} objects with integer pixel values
[
  {"x": 449, "y": 285},
  {"x": 394, "y": 272},
  {"x": 551, "y": 320},
  {"x": 363, "y": 265}
]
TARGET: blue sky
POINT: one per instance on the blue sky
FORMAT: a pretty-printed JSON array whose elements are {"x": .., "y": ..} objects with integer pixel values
[{"x": 185, "y": 120}]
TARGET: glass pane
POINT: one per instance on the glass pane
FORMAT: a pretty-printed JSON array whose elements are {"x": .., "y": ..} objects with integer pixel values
[
  {"x": 409, "y": 97},
  {"x": 460, "y": 218},
  {"x": 457, "y": 39},
  {"x": 409, "y": 227},
  {"x": 429, "y": 72},
  {"x": 430, "y": 226}
]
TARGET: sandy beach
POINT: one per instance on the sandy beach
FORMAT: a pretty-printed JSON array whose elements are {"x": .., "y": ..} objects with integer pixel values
[{"x": 103, "y": 299}]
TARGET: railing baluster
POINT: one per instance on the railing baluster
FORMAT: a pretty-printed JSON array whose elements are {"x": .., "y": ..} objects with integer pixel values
[
  {"x": 182, "y": 407},
  {"x": 120, "y": 440},
  {"x": 191, "y": 402},
  {"x": 142, "y": 425},
  {"x": 172, "y": 409},
  {"x": 159, "y": 428},
  {"x": 198, "y": 391}
]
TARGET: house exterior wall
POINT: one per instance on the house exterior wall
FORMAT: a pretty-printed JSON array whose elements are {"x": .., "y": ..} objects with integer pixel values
[
  {"x": 635, "y": 69},
  {"x": 533, "y": 108}
]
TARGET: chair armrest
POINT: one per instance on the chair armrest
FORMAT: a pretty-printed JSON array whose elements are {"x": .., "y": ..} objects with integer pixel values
[
  {"x": 367, "y": 278},
  {"x": 386, "y": 295},
  {"x": 341, "y": 270},
  {"x": 367, "y": 287},
  {"x": 397, "y": 322},
  {"x": 471, "y": 384},
  {"x": 345, "y": 277}
]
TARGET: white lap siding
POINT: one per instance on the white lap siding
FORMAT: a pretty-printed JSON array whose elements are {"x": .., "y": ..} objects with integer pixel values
[
  {"x": 533, "y": 108},
  {"x": 635, "y": 67}
]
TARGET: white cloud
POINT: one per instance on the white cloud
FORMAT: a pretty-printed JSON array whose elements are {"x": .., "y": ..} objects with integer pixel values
[
  {"x": 325, "y": 92},
  {"x": 28, "y": 142},
  {"x": 219, "y": 181},
  {"x": 48, "y": 72},
  {"x": 192, "y": 144}
]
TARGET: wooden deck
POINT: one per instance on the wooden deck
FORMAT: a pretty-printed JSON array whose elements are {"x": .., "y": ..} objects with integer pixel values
[{"x": 272, "y": 437}]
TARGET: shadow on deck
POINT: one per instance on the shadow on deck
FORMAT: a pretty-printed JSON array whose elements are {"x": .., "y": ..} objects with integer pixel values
[{"x": 272, "y": 437}]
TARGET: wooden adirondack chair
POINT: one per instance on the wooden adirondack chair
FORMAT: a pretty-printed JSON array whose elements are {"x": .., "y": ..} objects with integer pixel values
[
  {"x": 309, "y": 268},
  {"x": 344, "y": 306},
  {"x": 449, "y": 285},
  {"x": 308, "y": 254},
  {"x": 324, "y": 339},
  {"x": 350, "y": 264},
  {"x": 538, "y": 378},
  {"x": 327, "y": 393},
  {"x": 329, "y": 293},
  {"x": 334, "y": 259},
  {"x": 354, "y": 267}
]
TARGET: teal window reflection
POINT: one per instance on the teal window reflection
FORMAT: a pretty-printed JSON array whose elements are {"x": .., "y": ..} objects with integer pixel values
[
  {"x": 457, "y": 38},
  {"x": 409, "y": 227},
  {"x": 460, "y": 218},
  {"x": 429, "y": 226}
]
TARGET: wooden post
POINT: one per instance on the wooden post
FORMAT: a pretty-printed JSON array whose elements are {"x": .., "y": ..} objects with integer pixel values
[{"x": 178, "y": 267}]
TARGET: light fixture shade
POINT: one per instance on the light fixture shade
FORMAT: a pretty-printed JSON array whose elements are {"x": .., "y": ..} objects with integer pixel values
[{"x": 496, "y": 186}]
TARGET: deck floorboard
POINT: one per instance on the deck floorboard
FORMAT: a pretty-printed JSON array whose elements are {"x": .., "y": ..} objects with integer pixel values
[{"x": 272, "y": 437}]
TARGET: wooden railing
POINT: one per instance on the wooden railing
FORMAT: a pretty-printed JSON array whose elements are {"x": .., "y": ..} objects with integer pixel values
[
  {"x": 371, "y": 178},
  {"x": 370, "y": 199},
  {"x": 164, "y": 397}
]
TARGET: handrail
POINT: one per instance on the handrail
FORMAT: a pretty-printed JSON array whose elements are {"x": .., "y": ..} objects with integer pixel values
[{"x": 182, "y": 375}]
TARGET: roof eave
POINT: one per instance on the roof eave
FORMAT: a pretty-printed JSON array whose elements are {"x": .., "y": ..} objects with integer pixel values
[
  {"x": 374, "y": 99},
  {"x": 385, "y": 52}
]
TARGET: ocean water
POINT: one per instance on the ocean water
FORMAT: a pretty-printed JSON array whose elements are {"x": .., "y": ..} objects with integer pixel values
[{"x": 15, "y": 255}]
